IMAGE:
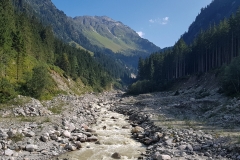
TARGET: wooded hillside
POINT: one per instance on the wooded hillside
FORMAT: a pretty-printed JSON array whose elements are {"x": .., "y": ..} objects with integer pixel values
[
  {"x": 29, "y": 52},
  {"x": 213, "y": 48}
]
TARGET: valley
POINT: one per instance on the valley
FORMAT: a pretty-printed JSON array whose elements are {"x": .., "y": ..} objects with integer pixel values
[
  {"x": 111, "y": 125},
  {"x": 92, "y": 88}
]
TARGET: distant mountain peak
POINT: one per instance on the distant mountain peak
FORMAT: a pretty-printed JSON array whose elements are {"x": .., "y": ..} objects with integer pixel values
[
  {"x": 94, "y": 33},
  {"x": 114, "y": 35}
]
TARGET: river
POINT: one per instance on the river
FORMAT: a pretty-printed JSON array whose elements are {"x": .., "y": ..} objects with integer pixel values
[{"x": 114, "y": 135}]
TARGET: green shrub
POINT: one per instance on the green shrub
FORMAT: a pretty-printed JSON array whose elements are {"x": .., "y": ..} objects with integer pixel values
[
  {"x": 39, "y": 84},
  {"x": 141, "y": 87},
  {"x": 231, "y": 78},
  {"x": 7, "y": 91}
]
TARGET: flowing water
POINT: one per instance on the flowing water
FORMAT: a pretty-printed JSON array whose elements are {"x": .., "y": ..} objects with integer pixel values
[{"x": 114, "y": 135}]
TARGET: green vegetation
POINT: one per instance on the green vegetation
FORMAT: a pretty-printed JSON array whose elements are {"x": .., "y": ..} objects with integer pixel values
[
  {"x": 7, "y": 91},
  {"x": 17, "y": 137},
  {"x": 213, "y": 48},
  {"x": 56, "y": 109},
  {"x": 27, "y": 119},
  {"x": 29, "y": 52},
  {"x": 231, "y": 78},
  {"x": 100, "y": 40},
  {"x": 46, "y": 120},
  {"x": 112, "y": 38}
]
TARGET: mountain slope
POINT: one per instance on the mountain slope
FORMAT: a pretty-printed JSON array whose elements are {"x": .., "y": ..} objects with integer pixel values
[
  {"x": 214, "y": 51},
  {"x": 93, "y": 33},
  {"x": 106, "y": 32},
  {"x": 211, "y": 15},
  {"x": 31, "y": 57}
]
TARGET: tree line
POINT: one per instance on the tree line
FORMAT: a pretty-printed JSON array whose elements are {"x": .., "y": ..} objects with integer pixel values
[{"x": 215, "y": 47}]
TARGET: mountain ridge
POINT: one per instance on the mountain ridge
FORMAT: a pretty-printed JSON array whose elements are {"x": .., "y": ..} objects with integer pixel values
[
  {"x": 212, "y": 14},
  {"x": 69, "y": 29},
  {"x": 121, "y": 36}
]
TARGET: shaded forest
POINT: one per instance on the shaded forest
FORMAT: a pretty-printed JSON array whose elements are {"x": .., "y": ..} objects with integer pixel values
[
  {"x": 216, "y": 47},
  {"x": 212, "y": 14}
]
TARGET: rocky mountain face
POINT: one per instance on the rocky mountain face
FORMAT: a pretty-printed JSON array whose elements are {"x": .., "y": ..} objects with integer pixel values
[
  {"x": 114, "y": 35},
  {"x": 211, "y": 15}
]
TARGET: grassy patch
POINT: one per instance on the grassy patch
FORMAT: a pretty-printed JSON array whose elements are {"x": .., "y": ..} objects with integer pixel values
[
  {"x": 18, "y": 101},
  {"x": 56, "y": 109},
  {"x": 169, "y": 126},
  {"x": 16, "y": 138},
  {"x": 46, "y": 120},
  {"x": 190, "y": 124},
  {"x": 27, "y": 119},
  {"x": 161, "y": 118}
]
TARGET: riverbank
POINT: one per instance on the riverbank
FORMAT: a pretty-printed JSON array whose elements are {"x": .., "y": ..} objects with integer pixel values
[
  {"x": 31, "y": 129},
  {"x": 167, "y": 125},
  {"x": 181, "y": 126}
]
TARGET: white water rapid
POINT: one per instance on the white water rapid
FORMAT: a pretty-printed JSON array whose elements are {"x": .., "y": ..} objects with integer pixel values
[{"x": 114, "y": 134}]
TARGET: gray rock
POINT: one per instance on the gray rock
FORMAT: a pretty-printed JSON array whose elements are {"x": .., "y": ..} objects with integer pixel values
[
  {"x": 137, "y": 129},
  {"x": 12, "y": 132},
  {"x": 158, "y": 156},
  {"x": 44, "y": 138},
  {"x": 9, "y": 152},
  {"x": 29, "y": 134},
  {"x": 197, "y": 147},
  {"x": 66, "y": 134},
  {"x": 90, "y": 130},
  {"x": 22, "y": 112},
  {"x": 71, "y": 126},
  {"x": 92, "y": 139},
  {"x": 169, "y": 142},
  {"x": 54, "y": 153},
  {"x": 31, "y": 147},
  {"x": 183, "y": 154},
  {"x": 3, "y": 135},
  {"x": 116, "y": 155},
  {"x": 165, "y": 138},
  {"x": 58, "y": 133},
  {"x": 53, "y": 136},
  {"x": 182, "y": 147},
  {"x": 78, "y": 145},
  {"x": 189, "y": 147},
  {"x": 70, "y": 147}
]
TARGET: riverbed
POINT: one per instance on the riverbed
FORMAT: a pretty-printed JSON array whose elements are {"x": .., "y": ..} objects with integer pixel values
[{"x": 114, "y": 136}]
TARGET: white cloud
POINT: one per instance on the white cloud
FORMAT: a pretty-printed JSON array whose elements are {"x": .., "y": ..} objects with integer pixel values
[
  {"x": 151, "y": 21},
  {"x": 162, "y": 21},
  {"x": 141, "y": 34},
  {"x": 165, "y": 20}
]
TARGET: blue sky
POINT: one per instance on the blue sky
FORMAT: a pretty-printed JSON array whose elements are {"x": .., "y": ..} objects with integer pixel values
[{"x": 160, "y": 21}]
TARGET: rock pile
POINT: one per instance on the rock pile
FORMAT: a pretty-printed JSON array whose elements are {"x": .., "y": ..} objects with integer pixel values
[
  {"x": 32, "y": 108},
  {"x": 49, "y": 134},
  {"x": 172, "y": 143}
]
